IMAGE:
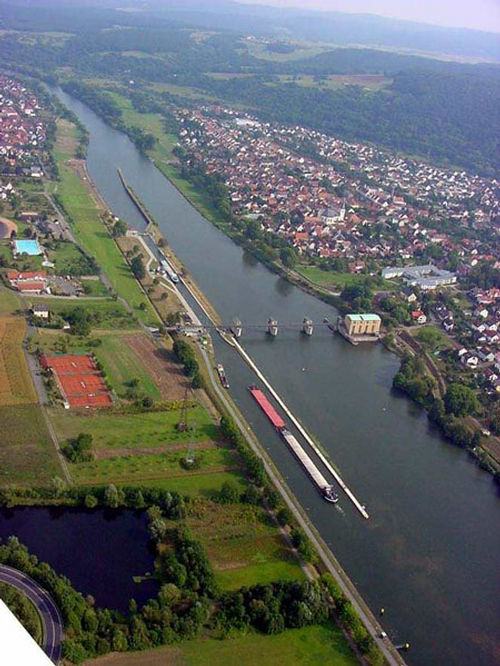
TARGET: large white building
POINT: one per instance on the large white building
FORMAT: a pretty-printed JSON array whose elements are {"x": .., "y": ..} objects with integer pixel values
[{"x": 424, "y": 277}]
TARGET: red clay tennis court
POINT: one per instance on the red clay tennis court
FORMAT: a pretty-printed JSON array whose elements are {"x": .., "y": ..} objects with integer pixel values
[{"x": 79, "y": 380}]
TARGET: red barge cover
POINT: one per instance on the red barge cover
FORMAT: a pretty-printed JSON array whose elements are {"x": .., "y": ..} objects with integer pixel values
[{"x": 267, "y": 408}]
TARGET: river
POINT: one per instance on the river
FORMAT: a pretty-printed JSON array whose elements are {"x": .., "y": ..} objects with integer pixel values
[{"x": 429, "y": 553}]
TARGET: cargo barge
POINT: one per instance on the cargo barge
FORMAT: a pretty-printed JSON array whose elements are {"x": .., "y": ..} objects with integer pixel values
[
  {"x": 327, "y": 491},
  {"x": 222, "y": 375}
]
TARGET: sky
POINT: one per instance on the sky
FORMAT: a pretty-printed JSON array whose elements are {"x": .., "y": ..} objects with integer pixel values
[{"x": 477, "y": 14}]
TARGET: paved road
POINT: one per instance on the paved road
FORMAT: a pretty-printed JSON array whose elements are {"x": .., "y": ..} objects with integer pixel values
[
  {"x": 49, "y": 613},
  {"x": 386, "y": 647}
]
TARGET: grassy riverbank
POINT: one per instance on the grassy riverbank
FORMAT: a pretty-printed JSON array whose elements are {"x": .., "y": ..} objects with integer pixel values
[{"x": 88, "y": 227}]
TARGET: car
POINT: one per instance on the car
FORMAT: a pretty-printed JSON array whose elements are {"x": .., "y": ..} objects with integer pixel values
[{"x": 383, "y": 634}]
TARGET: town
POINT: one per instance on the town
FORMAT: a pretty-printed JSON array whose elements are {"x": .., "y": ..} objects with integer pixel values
[{"x": 432, "y": 234}]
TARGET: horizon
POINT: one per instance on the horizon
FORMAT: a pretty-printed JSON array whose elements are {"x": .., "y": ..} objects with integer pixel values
[{"x": 483, "y": 15}]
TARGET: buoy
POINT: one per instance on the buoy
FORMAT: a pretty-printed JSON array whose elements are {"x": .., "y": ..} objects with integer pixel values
[{"x": 382, "y": 611}]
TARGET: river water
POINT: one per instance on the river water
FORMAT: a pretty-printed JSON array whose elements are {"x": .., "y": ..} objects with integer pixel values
[{"x": 429, "y": 553}]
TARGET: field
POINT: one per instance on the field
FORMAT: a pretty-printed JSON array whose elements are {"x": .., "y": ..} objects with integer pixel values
[
  {"x": 16, "y": 387},
  {"x": 117, "y": 431},
  {"x": 68, "y": 259},
  {"x": 242, "y": 547},
  {"x": 260, "y": 50},
  {"x": 123, "y": 365},
  {"x": 9, "y": 301},
  {"x": 91, "y": 231},
  {"x": 337, "y": 281},
  {"x": 134, "y": 468},
  {"x": 433, "y": 338},
  {"x": 27, "y": 454},
  {"x": 310, "y": 646},
  {"x": 94, "y": 287},
  {"x": 148, "y": 448},
  {"x": 336, "y": 81},
  {"x": 165, "y": 372}
]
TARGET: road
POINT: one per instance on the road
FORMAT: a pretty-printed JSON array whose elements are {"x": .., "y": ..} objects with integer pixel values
[
  {"x": 390, "y": 653},
  {"x": 48, "y": 611}
]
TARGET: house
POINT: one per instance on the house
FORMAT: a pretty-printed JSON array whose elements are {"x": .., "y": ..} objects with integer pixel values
[
  {"x": 470, "y": 360},
  {"x": 418, "y": 316},
  {"x": 448, "y": 324},
  {"x": 41, "y": 311}
]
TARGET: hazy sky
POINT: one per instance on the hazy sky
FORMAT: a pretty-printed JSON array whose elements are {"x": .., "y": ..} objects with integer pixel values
[{"x": 479, "y": 14}]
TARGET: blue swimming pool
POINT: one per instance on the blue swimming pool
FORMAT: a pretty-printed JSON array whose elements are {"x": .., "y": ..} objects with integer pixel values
[{"x": 30, "y": 247}]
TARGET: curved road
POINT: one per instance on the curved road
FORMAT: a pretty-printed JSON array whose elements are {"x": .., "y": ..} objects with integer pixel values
[
  {"x": 48, "y": 611},
  {"x": 392, "y": 656}
]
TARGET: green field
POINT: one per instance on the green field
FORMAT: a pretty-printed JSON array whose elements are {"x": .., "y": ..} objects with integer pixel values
[
  {"x": 133, "y": 431},
  {"x": 201, "y": 484},
  {"x": 68, "y": 259},
  {"x": 94, "y": 287},
  {"x": 243, "y": 548},
  {"x": 27, "y": 454},
  {"x": 134, "y": 468},
  {"x": 338, "y": 280},
  {"x": 322, "y": 645},
  {"x": 9, "y": 301},
  {"x": 433, "y": 338},
  {"x": 91, "y": 231},
  {"x": 335, "y": 82},
  {"x": 121, "y": 365}
]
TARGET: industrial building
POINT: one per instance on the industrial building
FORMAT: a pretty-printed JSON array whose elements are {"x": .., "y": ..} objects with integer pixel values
[{"x": 362, "y": 324}]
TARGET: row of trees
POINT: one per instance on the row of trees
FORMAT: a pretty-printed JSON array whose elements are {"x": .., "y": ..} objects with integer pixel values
[
  {"x": 187, "y": 357},
  {"x": 448, "y": 413}
]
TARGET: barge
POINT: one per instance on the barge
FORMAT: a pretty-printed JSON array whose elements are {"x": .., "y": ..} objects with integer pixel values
[{"x": 326, "y": 490}]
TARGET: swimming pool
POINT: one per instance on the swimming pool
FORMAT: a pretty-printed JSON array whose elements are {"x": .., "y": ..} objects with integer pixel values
[{"x": 30, "y": 247}]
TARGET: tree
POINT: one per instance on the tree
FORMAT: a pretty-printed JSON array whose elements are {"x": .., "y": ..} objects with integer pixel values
[
  {"x": 111, "y": 497},
  {"x": 137, "y": 267},
  {"x": 90, "y": 501},
  {"x": 288, "y": 257},
  {"x": 120, "y": 228},
  {"x": 228, "y": 494},
  {"x": 460, "y": 400},
  {"x": 79, "y": 320},
  {"x": 284, "y": 516}
]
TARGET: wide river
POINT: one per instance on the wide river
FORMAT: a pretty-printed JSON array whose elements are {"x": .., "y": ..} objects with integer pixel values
[{"x": 429, "y": 553}]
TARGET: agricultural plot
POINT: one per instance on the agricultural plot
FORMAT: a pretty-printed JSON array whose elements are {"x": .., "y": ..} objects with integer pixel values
[
  {"x": 117, "y": 431},
  {"x": 166, "y": 373},
  {"x": 243, "y": 548},
  {"x": 134, "y": 468},
  {"x": 124, "y": 367},
  {"x": 16, "y": 387},
  {"x": 27, "y": 454}
]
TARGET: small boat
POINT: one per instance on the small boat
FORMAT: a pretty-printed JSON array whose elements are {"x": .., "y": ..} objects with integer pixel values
[
  {"x": 330, "y": 495},
  {"x": 272, "y": 327},
  {"x": 222, "y": 375}
]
